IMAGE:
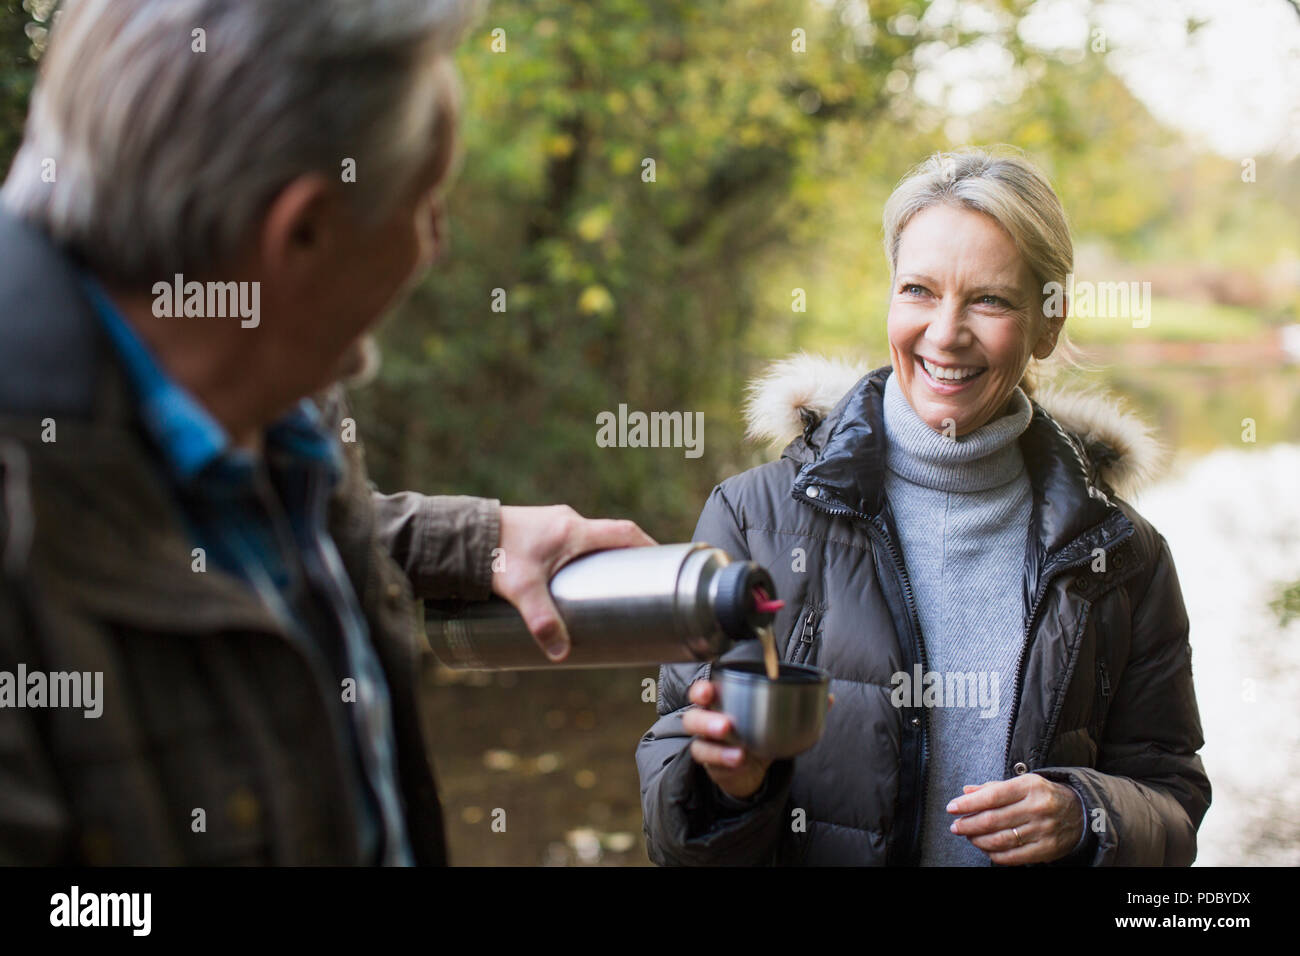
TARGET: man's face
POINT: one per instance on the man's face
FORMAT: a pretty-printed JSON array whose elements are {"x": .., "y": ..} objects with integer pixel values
[
  {"x": 964, "y": 318},
  {"x": 378, "y": 271},
  {"x": 359, "y": 271}
]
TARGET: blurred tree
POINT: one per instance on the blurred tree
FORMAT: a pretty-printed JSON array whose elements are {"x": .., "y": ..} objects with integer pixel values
[
  {"x": 21, "y": 38},
  {"x": 1287, "y": 604},
  {"x": 629, "y": 167},
  {"x": 645, "y": 184}
]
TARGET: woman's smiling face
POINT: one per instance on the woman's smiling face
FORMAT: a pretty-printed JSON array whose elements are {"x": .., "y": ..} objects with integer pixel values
[{"x": 964, "y": 318}]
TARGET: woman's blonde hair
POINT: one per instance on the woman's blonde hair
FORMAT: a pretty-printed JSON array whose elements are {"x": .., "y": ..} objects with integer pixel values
[{"x": 1010, "y": 190}]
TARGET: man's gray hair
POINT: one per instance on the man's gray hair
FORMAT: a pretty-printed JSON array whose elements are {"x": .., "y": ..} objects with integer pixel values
[{"x": 168, "y": 126}]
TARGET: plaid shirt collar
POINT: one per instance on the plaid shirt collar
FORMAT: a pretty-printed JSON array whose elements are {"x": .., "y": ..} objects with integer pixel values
[{"x": 193, "y": 443}]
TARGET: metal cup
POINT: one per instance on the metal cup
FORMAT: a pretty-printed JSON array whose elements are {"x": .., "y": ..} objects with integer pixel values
[{"x": 773, "y": 719}]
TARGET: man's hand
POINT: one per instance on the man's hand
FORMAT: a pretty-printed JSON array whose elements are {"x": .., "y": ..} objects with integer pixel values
[
  {"x": 537, "y": 542},
  {"x": 1027, "y": 819}
]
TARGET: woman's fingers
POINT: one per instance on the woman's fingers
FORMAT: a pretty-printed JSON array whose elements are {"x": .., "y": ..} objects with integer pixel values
[
  {"x": 1015, "y": 843},
  {"x": 1038, "y": 827},
  {"x": 706, "y": 723},
  {"x": 989, "y": 796},
  {"x": 702, "y": 693},
  {"x": 716, "y": 755},
  {"x": 700, "y": 720},
  {"x": 713, "y": 746},
  {"x": 984, "y": 826},
  {"x": 991, "y": 807},
  {"x": 991, "y": 821},
  {"x": 728, "y": 764}
]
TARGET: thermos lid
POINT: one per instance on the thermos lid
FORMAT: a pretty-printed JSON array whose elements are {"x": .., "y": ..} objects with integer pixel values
[{"x": 736, "y": 606}]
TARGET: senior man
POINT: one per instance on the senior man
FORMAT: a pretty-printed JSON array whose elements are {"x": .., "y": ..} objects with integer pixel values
[{"x": 188, "y": 532}]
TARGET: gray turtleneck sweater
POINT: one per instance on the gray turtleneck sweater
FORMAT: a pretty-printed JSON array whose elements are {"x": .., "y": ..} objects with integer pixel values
[{"x": 962, "y": 507}]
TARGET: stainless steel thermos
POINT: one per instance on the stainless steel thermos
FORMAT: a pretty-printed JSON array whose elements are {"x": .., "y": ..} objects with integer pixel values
[{"x": 661, "y": 604}]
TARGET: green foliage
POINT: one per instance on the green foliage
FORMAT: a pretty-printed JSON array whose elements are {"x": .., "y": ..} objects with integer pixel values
[
  {"x": 17, "y": 72},
  {"x": 771, "y": 167},
  {"x": 620, "y": 290},
  {"x": 1287, "y": 604}
]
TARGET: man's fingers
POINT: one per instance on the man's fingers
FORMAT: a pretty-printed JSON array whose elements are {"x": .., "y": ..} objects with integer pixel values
[
  {"x": 598, "y": 534},
  {"x": 543, "y": 620}
]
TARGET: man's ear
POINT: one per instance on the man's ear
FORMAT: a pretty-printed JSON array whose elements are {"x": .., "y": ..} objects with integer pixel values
[{"x": 299, "y": 228}]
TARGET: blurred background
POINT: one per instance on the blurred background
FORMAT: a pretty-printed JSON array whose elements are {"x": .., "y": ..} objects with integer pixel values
[{"x": 581, "y": 276}]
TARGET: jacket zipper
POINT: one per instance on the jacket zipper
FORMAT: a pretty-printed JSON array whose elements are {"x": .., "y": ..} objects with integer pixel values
[
  {"x": 880, "y": 532},
  {"x": 803, "y": 647},
  {"x": 1049, "y": 573},
  {"x": 914, "y": 837},
  {"x": 1103, "y": 688}
]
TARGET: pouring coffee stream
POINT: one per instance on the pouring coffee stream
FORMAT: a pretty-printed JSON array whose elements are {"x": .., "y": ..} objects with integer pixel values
[{"x": 766, "y": 638}]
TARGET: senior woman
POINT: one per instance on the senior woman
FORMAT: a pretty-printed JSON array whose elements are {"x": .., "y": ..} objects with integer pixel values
[{"x": 1005, "y": 634}]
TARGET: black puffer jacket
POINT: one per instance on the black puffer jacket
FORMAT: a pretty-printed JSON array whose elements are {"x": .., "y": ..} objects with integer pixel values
[{"x": 1104, "y": 697}]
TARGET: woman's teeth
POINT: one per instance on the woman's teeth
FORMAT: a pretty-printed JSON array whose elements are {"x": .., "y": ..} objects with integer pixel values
[{"x": 938, "y": 373}]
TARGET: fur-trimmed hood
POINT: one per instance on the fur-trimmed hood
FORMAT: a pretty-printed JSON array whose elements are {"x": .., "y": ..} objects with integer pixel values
[{"x": 798, "y": 391}]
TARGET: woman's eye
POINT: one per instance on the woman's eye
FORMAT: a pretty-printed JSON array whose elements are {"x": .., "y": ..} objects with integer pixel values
[
  {"x": 914, "y": 290},
  {"x": 994, "y": 300}
]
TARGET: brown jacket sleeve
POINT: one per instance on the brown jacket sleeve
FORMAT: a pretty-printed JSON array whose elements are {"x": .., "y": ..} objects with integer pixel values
[
  {"x": 444, "y": 543},
  {"x": 36, "y": 825}
]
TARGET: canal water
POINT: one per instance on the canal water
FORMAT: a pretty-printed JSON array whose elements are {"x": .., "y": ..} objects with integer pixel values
[{"x": 1232, "y": 519}]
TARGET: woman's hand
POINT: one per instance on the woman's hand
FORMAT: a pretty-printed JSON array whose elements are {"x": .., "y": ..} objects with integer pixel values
[
  {"x": 736, "y": 771},
  {"x": 1027, "y": 819}
]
